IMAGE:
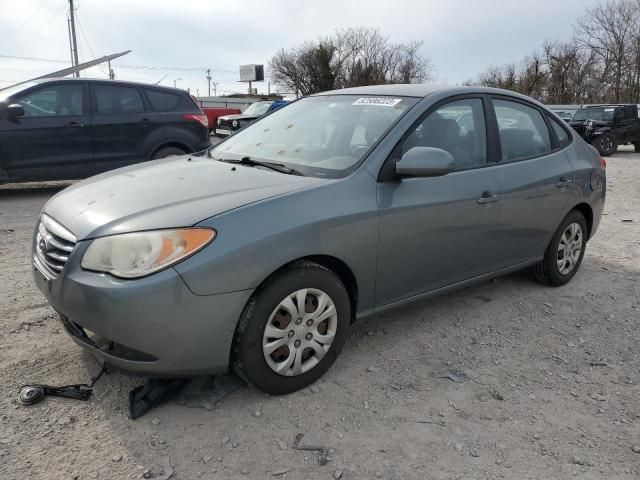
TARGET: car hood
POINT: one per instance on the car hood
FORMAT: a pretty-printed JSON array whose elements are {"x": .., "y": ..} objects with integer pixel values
[
  {"x": 172, "y": 192},
  {"x": 595, "y": 123},
  {"x": 239, "y": 116}
]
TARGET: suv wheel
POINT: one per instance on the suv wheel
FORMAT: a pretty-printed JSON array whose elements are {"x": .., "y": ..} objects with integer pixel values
[
  {"x": 167, "y": 152},
  {"x": 292, "y": 329},
  {"x": 606, "y": 144},
  {"x": 565, "y": 252},
  {"x": 636, "y": 147}
]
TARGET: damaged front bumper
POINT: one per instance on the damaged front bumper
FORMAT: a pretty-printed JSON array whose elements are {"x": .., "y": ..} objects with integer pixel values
[{"x": 154, "y": 325}]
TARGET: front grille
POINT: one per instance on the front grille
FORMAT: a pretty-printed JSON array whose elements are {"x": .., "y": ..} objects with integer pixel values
[{"x": 54, "y": 244}]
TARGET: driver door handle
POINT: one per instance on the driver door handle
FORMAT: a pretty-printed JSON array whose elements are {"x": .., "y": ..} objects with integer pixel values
[
  {"x": 488, "y": 197},
  {"x": 75, "y": 124}
]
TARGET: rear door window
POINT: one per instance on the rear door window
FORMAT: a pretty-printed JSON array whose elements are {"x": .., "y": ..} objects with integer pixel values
[
  {"x": 632, "y": 112},
  {"x": 112, "y": 100},
  {"x": 53, "y": 101},
  {"x": 162, "y": 101},
  {"x": 523, "y": 131}
]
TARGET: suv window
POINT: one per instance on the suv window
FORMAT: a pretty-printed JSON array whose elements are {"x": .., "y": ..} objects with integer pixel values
[
  {"x": 116, "y": 100},
  {"x": 561, "y": 133},
  {"x": 457, "y": 127},
  {"x": 632, "y": 112},
  {"x": 162, "y": 101},
  {"x": 56, "y": 100},
  {"x": 523, "y": 131}
]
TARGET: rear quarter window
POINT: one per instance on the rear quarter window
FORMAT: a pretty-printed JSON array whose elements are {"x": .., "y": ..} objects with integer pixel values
[
  {"x": 163, "y": 101},
  {"x": 562, "y": 135}
]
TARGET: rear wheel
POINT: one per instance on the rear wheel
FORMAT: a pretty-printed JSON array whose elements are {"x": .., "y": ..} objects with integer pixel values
[
  {"x": 167, "y": 152},
  {"x": 606, "y": 144},
  {"x": 565, "y": 252},
  {"x": 292, "y": 329},
  {"x": 636, "y": 147}
]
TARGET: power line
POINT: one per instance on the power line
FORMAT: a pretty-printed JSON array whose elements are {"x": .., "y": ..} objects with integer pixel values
[
  {"x": 42, "y": 27},
  {"x": 22, "y": 24},
  {"x": 132, "y": 67}
]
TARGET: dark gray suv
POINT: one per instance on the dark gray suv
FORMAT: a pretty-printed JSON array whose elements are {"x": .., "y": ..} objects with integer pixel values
[{"x": 59, "y": 129}]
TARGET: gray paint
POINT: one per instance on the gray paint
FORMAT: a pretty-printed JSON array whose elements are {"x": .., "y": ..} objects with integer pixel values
[{"x": 403, "y": 239}]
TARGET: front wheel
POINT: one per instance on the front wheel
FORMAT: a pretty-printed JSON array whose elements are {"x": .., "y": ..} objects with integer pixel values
[
  {"x": 606, "y": 144},
  {"x": 292, "y": 329},
  {"x": 565, "y": 252}
]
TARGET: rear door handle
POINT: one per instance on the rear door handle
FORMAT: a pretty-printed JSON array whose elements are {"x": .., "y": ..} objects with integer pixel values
[
  {"x": 488, "y": 197},
  {"x": 75, "y": 124},
  {"x": 563, "y": 182}
]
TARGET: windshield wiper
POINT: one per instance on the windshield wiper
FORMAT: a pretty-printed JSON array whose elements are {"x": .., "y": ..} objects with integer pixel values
[{"x": 278, "y": 167}]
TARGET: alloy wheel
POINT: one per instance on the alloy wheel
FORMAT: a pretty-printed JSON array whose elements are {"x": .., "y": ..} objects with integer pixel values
[
  {"x": 606, "y": 144},
  {"x": 299, "y": 332},
  {"x": 569, "y": 248}
]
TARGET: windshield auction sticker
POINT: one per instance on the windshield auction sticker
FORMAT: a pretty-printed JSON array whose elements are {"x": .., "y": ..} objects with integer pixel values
[{"x": 381, "y": 101}]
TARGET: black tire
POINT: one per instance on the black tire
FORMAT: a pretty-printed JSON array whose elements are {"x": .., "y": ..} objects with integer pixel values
[
  {"x": 547, "y": 271},
  {"x": 167, "y": 152},
  {"x": 248, "y": 357},
  {"x": 636, "y": 147},
  {"x": 606, "y": 144}
]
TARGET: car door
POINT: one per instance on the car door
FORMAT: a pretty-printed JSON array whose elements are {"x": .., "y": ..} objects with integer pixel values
[
  {"x": 121, "y": 124},
  {"x": 51, "y": 141},
  {"x": 536, "y": 178},
  {"x": 438, "y": 231},
  {"x": 632, "y": 123}
]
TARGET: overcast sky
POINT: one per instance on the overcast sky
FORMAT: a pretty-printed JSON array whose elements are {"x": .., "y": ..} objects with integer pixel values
[{"x": 461, "y": 37}]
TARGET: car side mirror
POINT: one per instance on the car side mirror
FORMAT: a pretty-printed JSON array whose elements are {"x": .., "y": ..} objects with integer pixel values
[
  {"x": 14, "y": 110},
  {"x": 425, "y": 162}
]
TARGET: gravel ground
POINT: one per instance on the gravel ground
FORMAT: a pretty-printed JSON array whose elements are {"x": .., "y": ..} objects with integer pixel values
[{"x": 553, "y": 389}]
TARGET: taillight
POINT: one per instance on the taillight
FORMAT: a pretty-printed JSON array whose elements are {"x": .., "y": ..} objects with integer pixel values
[
  {"x": 197, "y": 117},
  {"x": 603, "y": 163}
]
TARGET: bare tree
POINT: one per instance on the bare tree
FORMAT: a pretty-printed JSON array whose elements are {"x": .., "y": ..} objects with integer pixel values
[{"x": 351, "y": 57}]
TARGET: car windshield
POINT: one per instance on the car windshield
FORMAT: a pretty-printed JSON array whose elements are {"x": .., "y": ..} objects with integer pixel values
[
  {"x": 594, "y": 114},
  {"x": 11, "y": 91},
  {"x": 258, "y": 108},
  {"x": 324, "y": 136}
]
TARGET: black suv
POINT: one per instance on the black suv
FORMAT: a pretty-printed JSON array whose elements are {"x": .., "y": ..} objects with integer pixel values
[
  {"x": 607, "y": 126},
  {"x": 58, "y": 129}
]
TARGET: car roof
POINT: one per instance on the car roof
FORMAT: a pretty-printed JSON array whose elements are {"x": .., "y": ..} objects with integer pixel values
[
  {"x": 422, "y": 90},
  {"x": 103, "y": 80}
]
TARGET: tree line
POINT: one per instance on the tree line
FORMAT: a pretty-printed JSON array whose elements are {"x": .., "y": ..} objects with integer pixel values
[
  {"x": 350, "y": 57},
  {"x": 599, "y": 64}
]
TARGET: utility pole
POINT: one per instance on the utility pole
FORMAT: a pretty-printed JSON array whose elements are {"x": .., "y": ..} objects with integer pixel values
[
  {"x": 215, "y": 89},
  {"x": 209, "y": 79},
  {"x": 111, "y": 74},
  {"x": 74, "y": 43}
]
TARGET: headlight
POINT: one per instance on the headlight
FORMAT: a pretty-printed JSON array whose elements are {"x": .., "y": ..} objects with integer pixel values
[
  {"x": 234, "y": 123},
  {"x": 133, "y": 255}
]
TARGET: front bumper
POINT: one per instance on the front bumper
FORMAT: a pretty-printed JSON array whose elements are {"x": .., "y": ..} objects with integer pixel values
[{"x": 153, "y": 325}]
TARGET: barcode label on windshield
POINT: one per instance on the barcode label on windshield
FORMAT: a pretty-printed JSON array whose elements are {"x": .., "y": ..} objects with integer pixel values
[{"x": 382, "y": 101}]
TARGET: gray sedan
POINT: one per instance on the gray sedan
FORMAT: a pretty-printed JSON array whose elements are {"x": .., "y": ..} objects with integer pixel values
[{"x": 257, "y": 255}]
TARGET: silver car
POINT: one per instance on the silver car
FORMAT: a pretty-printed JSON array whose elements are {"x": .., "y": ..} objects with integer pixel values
[{"x": 259, "y": 254}]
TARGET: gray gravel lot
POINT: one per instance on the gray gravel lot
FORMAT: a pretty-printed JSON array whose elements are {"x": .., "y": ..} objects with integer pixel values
[{"x": 554, "y": 390}]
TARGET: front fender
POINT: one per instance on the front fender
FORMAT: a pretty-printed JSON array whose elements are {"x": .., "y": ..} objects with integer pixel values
[{"x": 336, "y": 218}]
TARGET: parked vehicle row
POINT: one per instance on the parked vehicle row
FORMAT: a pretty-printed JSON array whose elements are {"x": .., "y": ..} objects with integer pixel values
[
  {"x": 608, "y": 126},
  {"x": 258, "y": 256},
  {"x": 228, "y": 124},
  {"x": 74, "y": 128}
]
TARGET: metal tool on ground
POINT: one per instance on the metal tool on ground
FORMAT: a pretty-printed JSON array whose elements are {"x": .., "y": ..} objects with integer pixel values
[
  {"x": 323, "y": 452},
  {"x": 31, "y": 394}
]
